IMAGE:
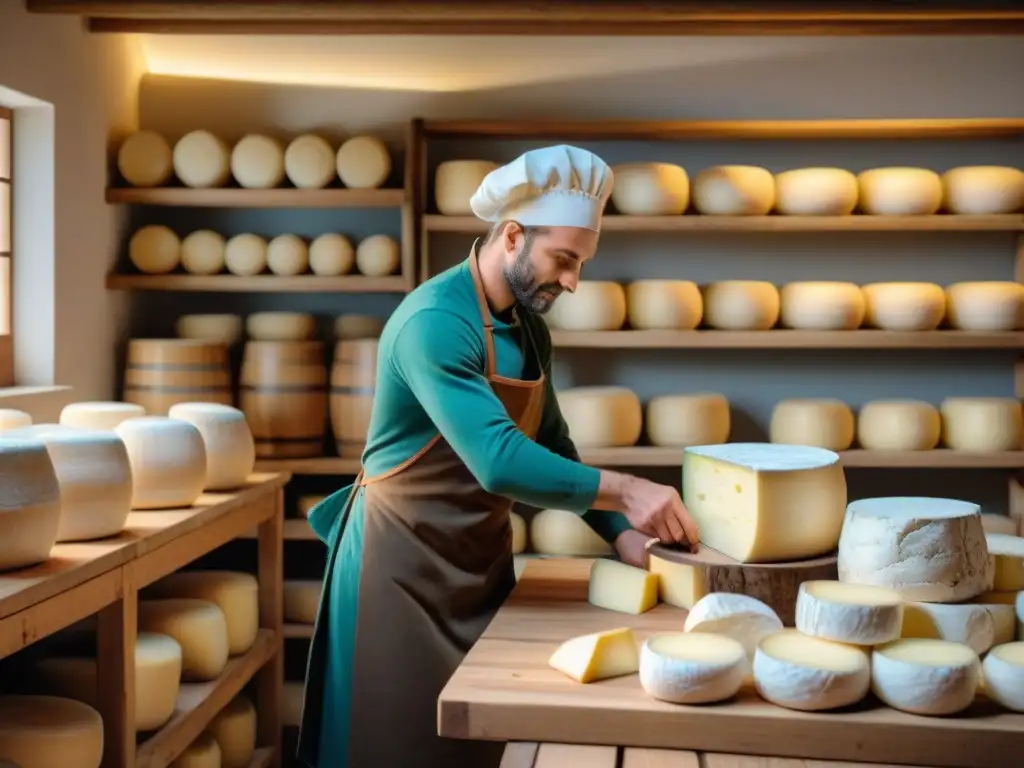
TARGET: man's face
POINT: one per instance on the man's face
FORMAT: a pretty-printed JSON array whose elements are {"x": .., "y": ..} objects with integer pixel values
[{"x": 542, "y": 263}]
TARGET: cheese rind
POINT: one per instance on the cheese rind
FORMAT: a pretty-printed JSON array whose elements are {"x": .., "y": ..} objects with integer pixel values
[
  {"x": 234, "y": 728},
  {"x": 218, "y": 328},
  {"x": 601, "y": 417},
  {"x": 280, "y": 326},
  {"x": 198, "y": 626},
  {"x": 1006, "y": 557},
  {"x": 734, "y": 190},
  {"x": 50, "y": 731},
  {"x": 699, "y": 668},
  {"x": 985, "y": 306},
  {"x": 982, "y": 423},
  {"x": 673, "y": 305},
  {"x": 99, "y": 415},
  {"x": 363, "y": 162},
  {"x": 904, "y": 306},
  {"x": 595, "y": 305},
  {"x": 743, "y": 618},
  {"x": 741, "y": 305},
  {"x": 849, "y": 613},
  {"x": 809, "y": 674},
  {"x": 202, "y": 252},
  {"x": 204, "y": 752},
  {"x": 564, "y": 533},
  {"x": 30, "y": 508},
  {"x": 230, "y": 448},
  {"x": 898, "y": 425},
  {"x": 234, "y": 592},
  {"x": 597, "y": 656},
  {"x": 684, "y": 420},
  {"x": 899, "y": 191},
  {"x": 287, "y": 255},
  {"x": 155, "y": 250},
  {"x": 983, "y": 189},
  {"x": 168, "y": 460},
  {"x": 245, "y": 254},
  {"x": 331, "y": 254},
  {"x": 377, "y": 256},
  {"x": 925, "y": 677},
  {"x": 455, "y": 182},
  {"x": 144, "y": 159},
  {"x": 257, "y": 162},
  {"x": 201, "y": 160},
  {"x": 309, "y": 162},
  {"x": 822, "y": 306},
  {"x": 976, "y": 625},
  {"x": 816, "y": 192},
  {"x": 820, "y": 422},
  {"x": 650, "y": 189},
  {"x": 1003, "y": 673},
  {"x": 616, "y": 586}
]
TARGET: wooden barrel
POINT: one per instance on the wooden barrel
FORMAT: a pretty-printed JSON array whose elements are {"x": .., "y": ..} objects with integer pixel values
[
  {"x": 283, "y": 393},
  {"x": 353, "y": 383},
  {"x": 162, "y": 372}
]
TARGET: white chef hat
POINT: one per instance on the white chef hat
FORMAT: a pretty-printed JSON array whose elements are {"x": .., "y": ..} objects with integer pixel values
[{"x": 559, "y": 186}]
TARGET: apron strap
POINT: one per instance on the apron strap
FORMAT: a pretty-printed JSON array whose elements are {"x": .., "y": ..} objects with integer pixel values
[{"x": 485, "y": 311}]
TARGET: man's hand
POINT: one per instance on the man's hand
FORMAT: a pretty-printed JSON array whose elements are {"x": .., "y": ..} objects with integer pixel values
[{"x": 631, "y": 547}]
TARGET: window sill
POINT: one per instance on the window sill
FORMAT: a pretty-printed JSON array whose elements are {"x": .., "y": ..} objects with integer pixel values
[{"x": 42, "y": 403}]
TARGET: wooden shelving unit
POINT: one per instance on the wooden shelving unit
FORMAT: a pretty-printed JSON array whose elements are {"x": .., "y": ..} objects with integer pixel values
[
  {"x": 786, "y": 339},
  {"x": 257, "y": 283},
  {"x": 235, "y": 197}
]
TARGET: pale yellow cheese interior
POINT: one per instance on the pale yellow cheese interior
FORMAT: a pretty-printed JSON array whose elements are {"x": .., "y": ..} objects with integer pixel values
[
  {"x": 597, "y": 656},
  {"x": 616, "y": 586}
]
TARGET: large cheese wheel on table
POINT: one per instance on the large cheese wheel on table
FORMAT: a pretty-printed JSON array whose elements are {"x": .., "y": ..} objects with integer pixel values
[
  {"x": 899, "y": 191},
  {"x": 734, "y": 190},
  {"x": 856, "y": 614},
  {"x": 230, "y": 449},
  {"x": 202, "y": 160},
  {"x": 29, "y": 503},
  {"x": 168, "y": 459},
  {"x": 683, "y": 420},
  {"x": 456, "y": 181},
  {"x": 816, "y": 192},
  {"x": 983, "y": 189},
  {"x": 898, "y": 425},
  {"x": 692, "y": 668},
  {"x": 904, "y": 306},
  {"x": 741, "y": 305},
  {"x": 670, "y": 305},
  {"x": 985, "y": 306},
  {"x": 650, "y": 189},
  {"x": 596, "y": 305},
  {"x": 821, "y": 422},
  {"x": 50, "y": 731},
  {"x": 144, "y": 159},
  {"x": 601, "y": 417},
  {"x": 822, "y": 306}
]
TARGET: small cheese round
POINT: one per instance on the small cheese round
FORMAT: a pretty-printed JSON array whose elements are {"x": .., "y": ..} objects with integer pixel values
[
  {"x": 558, "y": 532},
  {"x": 155, "y": 250},
  {"x": 202, "y": 160},
  {"x": 49, "y": 731},
  {"x": 245, "y": 254},
  {"x": 684, "y": 420},
  {"x": 287, "y": 255},
  {"x": 221, "y": 329},
  {"x": 257, "y": 162},
  {"x": 816, "y": 192},
  {"x": 455, "y": 182},
  {"x": 692, "y": 668},
  {"x": 99, "y": 415},
  {"x": 734, "y": 190},
  {"x": 202, "y": 252},
  {"x": 230, "y": 448},
  {"x": 331, "y": 254},
  {"x": 898, "y": 425},
  {"x": 198, "y": 626},
  {"x": 234, "y": 728},
  {"x": 204, "y": 752},
  {"x": 900, "y": 191},
  {"x": 363, "y": 162},
  {"x": 302, "y": 600},
  {"x": 595, "y": 305},
  {"x": 1003, "y": 672},
  {"x": 12, "y": 418},
  {"x": 671, "y": 305},
  {"x": 983, "y": 189},
  {"x": 985, "y": 306},
  {"x": 358, "y": 327},
  {"x": 168, "y": 461},
  {"x": 993, "y": 523},
  {"x": 982, "y": 423},
  {"x": 925, "y": 677},
  {"x": 809, "y": 674},
  {"x": 849, "y": 613},
  {"x": 309, "y": 162},
  {"x": 30, "y": 507},
  {"x": 821, "y": 422},
  {"x": 234, "y": 592},
  {"x": 144, "y": 159},
  {"x": 822, "y": 306},
  {"x": 650, "y": 189},
  {"x": 976, "y": 625},
  {"x": 280, "y": 326},
  {"x": 741, "y": 305},
  {"x": 740, "y": 617},
  {"x": 518, "y": 526},
  {"x": 904, "y": 306},
  {"x": 377, "y": 256},
  {"x": 601, "y": 417}
]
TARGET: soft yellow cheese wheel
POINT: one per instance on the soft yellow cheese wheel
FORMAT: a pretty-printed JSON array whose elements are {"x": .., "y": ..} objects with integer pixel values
[
  {"x": 234, "y": 592},
  {"x": 898, "y": 425},
  {"x": 741, "y": 305},
  {"x": 358, "y": 327},
  {"x": 245, "y": 254},
  {"x": 982, "y": 423},
  {"x": 985, "y": 306},
  {"x": 29, "y": 503},
  {"x": 601, "y": 417},
  {"x": 198, "y": 626},
  {"x": 904, "y": 306},
  {"x": 899, "y": 191},
  {"x": 816, "y": 192},
  {"x": 518, "y": 526},
  {"x": 12, "y": 418},
  {"x": 287, "y": 255},
  {"x": 309, "y": 162},
  {"x": 822, "y": 306},
  {"x": 377, "y": 256},
  {"x": 99, "y": 414},
  {"x": 257, "y": 162},
  {"x": 670, "y": 305},
  {"x": 230, "y": 448},
  {"x": 50, "y": 731},
  {"x": 558, "y": 532},
  {"x": 650, "y": 189},
  {"x": 596, "y": 305},
  {"x": 455, "y": 182},
  {"x": 202, "y": 160},
  {"x": 168, "y": 461},
  {"x": 202, "y": 252},
  {"x": 234, "y": 728},
  {"x": 983, "y": 189},
  {"x": 280, "y": 326},
  {"x": 155, "y": 250},
  {"x": 734, "y": 190},
  {"x": 820, "y": 422},
  {"x": 204, "y": 752},
  {"x": 302, "y": 600},
  {"x": 144, "y": 159},
  {"x": 331, "y": 254},
  {"x": 222, "y": 329},
  {"x": 682, "y": 420},
  {"x": 363, "y": 162}
]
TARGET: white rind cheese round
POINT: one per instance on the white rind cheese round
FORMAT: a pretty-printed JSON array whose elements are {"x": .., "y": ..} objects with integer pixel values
[
  {"x": 280, "y": 326},
  {"x": 456, "y": 181},
  {"x": 518, "y": 527},
  {"x": 983, "y": 189},
  {"x": 234, "y": 592},
  {"x": 12, "y": 418},
  {"x": 734, "y": 190},
  {"x": 168, "y": 459},
  {"x": 363, "y": 162},
  {"x": 685, "y": 420},
  {"x": 202, "y": 160},
  {"x": 900, "y": 191},
  {"x": 822, "y": 306},
  {"x": 287, "y": 255},
  {"x": 220, "y": 329},
  {"x": 558, "y": 532},
  {"x": 30, "y": 507},
  {"x": 898, "y": 425},
  {"x": 669, "y": 305},
  {"x": 925, "y": 677},
  {"x": 692, "y": 668},
  {"x": 257, "y": 162},
  {"x": 144, "y": 159},
  {"x": 230, "y": 448},
  {"x": 976, "y": 625},
  {"x": 650, "y": 189},
  {"x": 601, "y": 417},
  {"x": 204, "y": 752},
  {"x": 985, "y": 306},
  {"x": 993, "y": 523},
  {"x": 904, "y": 306},
  {"x": 302, "y": 600},
  {"x": 740, "y": 617},
  {"x": 595, "y": 305},
  {"x": 331, "y": 254},
  {"x": 816, "y": 192},
  {"x": 245, "y": 254},
  {"x": 234, "y": 728},
  {"x": 99, "y": 414},
  {"x": 982, "y": 423},
  {"x": 849, "y": 613},
  {"x": 820, "y": 422},
  {"x": 809, "y": 674},
  {"x": 309, "y": 162},
  {"x": 202, "y": 252},
  {"x": 50, "y": 731},
  {"x": 155, "y": 250},
  {"x": 377, "y": 256},
  {"x": 198, "y": 626},
  {"x": 741, "y": 305},
  {"x": 351, "y": 326},
  {"x": 1003, "y": 672},
  {"x": 929, "y": 550}
]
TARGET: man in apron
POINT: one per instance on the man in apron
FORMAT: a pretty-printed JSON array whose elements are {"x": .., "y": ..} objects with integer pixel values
[{"x": 464, "y": 423}]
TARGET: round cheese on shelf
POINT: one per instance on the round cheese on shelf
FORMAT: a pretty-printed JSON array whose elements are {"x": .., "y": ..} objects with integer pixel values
[
  {"x": 302, "y": 600},
  {"x": 518, "y": 526},
  {"x": 993, "y": 523},
  {"x": 29, "y": 503},
  {"x": 309, "y": 162},
  {"x": 155, "y": 250},
  {"x": 985, "y": 306},
  {"x": 900, "y": 191},
  {"x": 849, "y": 613},
  {"x": 144, "y": 159},
  {"x": 898, "y": 425},
  {"x": 683, "y": 420},
  {"x": 925, "y": 677},
  {"x": 740, "y": 617},
  {"x": 363, "y": 162},
  {"x": 929, "y": 550},
  {"x": 692, "y": 668},
  {"x": 234, "y": 592},
  {"x": 198, "y": 626},
  {"x": 809, "y": 674},
  {"x": 221, "y": 329},
  {"x": 49, "y": 731},
  {"x": 287, "y": 255},
  {"x": 904, "y": 306},
  {"x": 12, "y": 418},
  {"x": 595, "y": 305},
  {"x": 1003, "y": 673},
  {"x": 168, "y": 460},
  {"x": 234, "y": 728},
  {"x": 734, "y": 190},
  {"x": 601, "y": 417},
  {"x": 822, "y": 306},
  {"x": 204, "y": 752},
  {"x": 280, "y": 326},
  {"x": 455, "y": 182},
  {"x": 245, "y": 254},
  {"x": 230, "y": 448},
  {"x": 670, "y": 305},
  {"x": 982, "y": 423},
  {"x": 202, "y": 252},
  {"x": 650, "y": 189},
  {"x": 976, "y": 625},
  {"x": 741, "y": 305},
  {"x": 377, "y": 256},
  {"x": 558, "y": 532},
  {"x": 348, "y": 327},
  {"x": 202, "y": 160},
  {"x": 983, "y": 189},
  {"x": 257, "y": 162},
  {"x": 331, "y": 254},
  {"x": 821, "y": 422},
  {"x": 816, "y": 192},
  {"x": 99, "y": 414}
]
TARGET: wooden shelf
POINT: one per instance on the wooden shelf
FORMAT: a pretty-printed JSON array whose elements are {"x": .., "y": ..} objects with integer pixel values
[
  {"x": 258, "y": 283},
  {"x": 322, "y": 465},
  {"x": 231, "y": 197},
  {"x": 298, "y": 630}
]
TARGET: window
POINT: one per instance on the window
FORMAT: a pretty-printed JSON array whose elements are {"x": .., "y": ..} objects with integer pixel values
[{"x": 6, "y": 247}]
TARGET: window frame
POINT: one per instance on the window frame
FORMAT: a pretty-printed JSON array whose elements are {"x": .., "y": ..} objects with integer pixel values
[{"x": 7, "y": 340}]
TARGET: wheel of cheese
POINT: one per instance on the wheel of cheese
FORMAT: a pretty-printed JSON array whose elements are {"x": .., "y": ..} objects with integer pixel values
[
  {"x": 650, "y": 189},
  {"x": 697, "y": 668},
  {"x": 975, "y": 625},
  {"x": 348, "y": 327},
  {"x": 682, "y": 420},
  {"x": 204, "y": 752},
  {"x": 900, "y": 191},
  {"x": 12, "y": 418},
  {"x": 985, "y": 306},
  {"x": 50, "y": 731},
  {"x": 816, "y": 192},
  {"x": 1003, "y": 673},
  {"x": 740, "y": 617},
  {"x": 144, "y": 159},
  {"x": 287, "y": 255},
  {"x": 202, "y": 252},
  {"x": 993, "y": 523},
  {"x": 558, "y": 532},
  {"x": 245, "y": 254},
  {"x": 168, "y": 461},
  {"x": 280, "y": 326},
  {"x": 982, "y": 423},
  {"x": 899, "y": 425},
  {"x": 198, "y": 626},
  {"x": 925, "y": 677},
  {"x": 221, "y": 329},
  {"x": 734, "y": 190},
  {"x": 455, "y": 182},
  {"x": 741, "y": 305},
  {"x": 983, "y": 189},
  {"x": 1006, "y": 562},
  {"x": 309, "y": 162},
  {"x": 155, "y": 250},
  {"x": 822, "y": 422},
  {"x": 234, "y": 728},
  {"x": 856, "y": 614},
  {"x": 671, "y": 305},
  {"x": 601, "y": 417},
  {"x": 928, "y": 550},
  {"x": 596, "y": 305},
  {"x": 99, "y": 415},
  {"x": 809, "y": 674},
  {"x": 202, "y": 160},
  {"x": 822, "y": 306},
  {"x": 29, "y": 503},
  {"x": 302, "y": 600},
  {"x": 377, "y": 256},
  {"x": 363, "y": 162},
  {"x": 257, "y": 162},
  {"x": 904, "y": 306},
  {"x": 518, "y": 526},
  {"x": 230, "y": 449},
  {"x": 331, "y": 254}
]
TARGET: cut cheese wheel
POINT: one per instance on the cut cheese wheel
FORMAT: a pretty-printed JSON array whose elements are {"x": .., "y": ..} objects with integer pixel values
[
  {"x": 816, "y": 192},
  {"x": 234, "y": 728},
  {"x": 257, "y": 162},
  {"x": 993, "y": 523},
  {"x": 692, "y": 668},
  {"x": 292, "y": 702},
  {"x": 230, "y": 448},
  {"x": 823, "y": 422},
  {"x": 683, "y": 420},
  {"x": 302, "y": 600},
  {"x": 616, "y": 586},
  {"x": 280, "y": 326},
  {"x": 742, "y": 618},
  {"x": 679, "y": 584},
  {"x": 595, "y": 305},
  {"x": 975, "y": 625},
  {"x": 99, "y": 415},
  {"x": 809, "y": 674},
  {"x": 168, "y": 459},
  {"x": 347, "y": 327},
  {"x": 899, "y": 425},
  {"x": 822, "y": 306},
  {"x": 245, "y": 254},
  {"x": 309, "y": 162},
  {"x": 904, "y": 306},
  {"x": 925, "y": 677},
  {"x": 558, "y": 532},
  {"x": 900, "y": 191},
  {"x": 758, "y": 502},
  {"x": 220, "y": 329},
  {"x": 1003, "y": 672},
  {"x": 363, "y": 162},
  {"x": 50, "y": 731},
  {"x": 204, "y": 752},
  {"x": 30, "y": 507},
  {"x": 601, "y": 417},
  {"x": 198, "y": 626},
  {"x": 985, "y": 306},
  {"x": 1006, "y": 553},
  {"x": 983, "y": 189},
  {"x": 741, "y": 305},
  {"x": 849, "y": 613},
  {"x": 928, "y": 550},
  {"x": 234, "y": 592},
  {"x": 287, "y": 255},
  {"x": 377, "y": 256},
  {"x": 202, "y": 160},
  {"x": 597, "y": 656},
  {"x": 982, "y": 423},
  {"x": 518, "y": 528},
  {"x": 455, "y": 182},
  {"x": 11, "y": 418},
  {"x": 331, "y": 254},
  {"x": 670, "y": 305},
  {"x": 734, "y": 190},
  {"x": 202, "y": 252},
  {"x": 155, "y": 250},
  {"x": 650, "y": 189},
  {"x": 144, "y": 159}
]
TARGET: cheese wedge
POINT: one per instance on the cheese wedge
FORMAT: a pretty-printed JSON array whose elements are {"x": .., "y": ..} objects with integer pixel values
[
  {"x": 597, "y": 656},
  {"x": 616, "y": 586}
]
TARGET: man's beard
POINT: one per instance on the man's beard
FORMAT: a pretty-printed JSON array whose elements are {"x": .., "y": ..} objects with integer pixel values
[{"x": 522, "y": 281}]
